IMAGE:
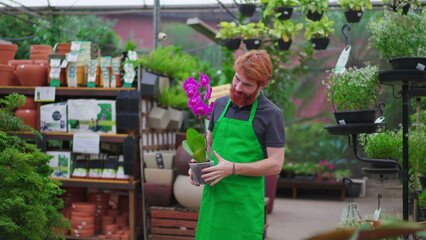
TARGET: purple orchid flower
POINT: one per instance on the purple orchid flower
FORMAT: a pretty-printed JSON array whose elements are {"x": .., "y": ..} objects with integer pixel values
[
  {"x": 193, "y": 102},
  {"x": 208, "y": 93},
  {"x": 204, "y": 80},
  {"x": 190, "y": 83},
  {"x": 192, "y": 93},
  {"x": 200, "y": 109}
]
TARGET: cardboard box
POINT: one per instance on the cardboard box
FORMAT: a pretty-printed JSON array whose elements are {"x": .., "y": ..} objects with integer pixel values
[
  {"x": 61, "y": 164},
  {"x": 53, "y": 117}
]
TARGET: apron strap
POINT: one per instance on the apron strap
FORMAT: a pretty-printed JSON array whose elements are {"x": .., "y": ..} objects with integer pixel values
[{"x": 252, "y": 111}]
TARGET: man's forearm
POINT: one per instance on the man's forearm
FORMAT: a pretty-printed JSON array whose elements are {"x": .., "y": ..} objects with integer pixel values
[{"x": 269, "y": 166}]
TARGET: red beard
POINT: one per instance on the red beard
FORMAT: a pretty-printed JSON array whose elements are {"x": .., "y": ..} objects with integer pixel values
[{"x": 244, "y": 99}]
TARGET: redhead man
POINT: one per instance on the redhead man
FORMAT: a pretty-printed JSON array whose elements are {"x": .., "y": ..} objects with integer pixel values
[{"x": 246, "y": 140}]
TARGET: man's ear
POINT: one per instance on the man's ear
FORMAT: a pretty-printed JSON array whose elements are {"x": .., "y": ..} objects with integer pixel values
[{"x": 263, "y": 84}]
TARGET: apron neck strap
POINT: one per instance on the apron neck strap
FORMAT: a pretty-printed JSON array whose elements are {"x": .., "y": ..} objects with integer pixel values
[{"x": 252, "y": 111}]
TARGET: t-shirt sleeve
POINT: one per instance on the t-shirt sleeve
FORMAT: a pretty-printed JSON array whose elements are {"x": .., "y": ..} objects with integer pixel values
[{"x": 275, "y": 132}]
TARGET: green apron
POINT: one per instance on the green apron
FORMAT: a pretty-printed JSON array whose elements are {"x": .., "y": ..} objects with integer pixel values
[{"x": 233, "y": 209}]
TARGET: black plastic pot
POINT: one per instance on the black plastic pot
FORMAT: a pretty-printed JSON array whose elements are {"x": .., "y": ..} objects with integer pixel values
[
  {"x": 360, "y": 116},
  {"x": 320, "y": 43},
  {"x": 422, "y": 180},
  {"x": 252, "y": 43},
  {"x": 247, "y": 10},
  {"x": 286, "y": 12},
  {"x": 232, "y": 44},
  {"x": 314, "y": 16},
  {"x": 405, "y": 8},
  {"x": 283, "y": 45},
  {"x": 353, "y": 16},
  {"x": 408, "y": 63}
]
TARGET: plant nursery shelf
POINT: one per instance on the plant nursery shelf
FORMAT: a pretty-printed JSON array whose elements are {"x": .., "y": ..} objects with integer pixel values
[
  {"x": 117, "y": 138},
  {"x": 99, "y": 183},
  {"x": 355, "y": 128},
  {"x": 66, "y": 91}
]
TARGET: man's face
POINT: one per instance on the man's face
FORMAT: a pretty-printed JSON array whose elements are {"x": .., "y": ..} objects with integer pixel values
[{"x": 244, "y": 91}]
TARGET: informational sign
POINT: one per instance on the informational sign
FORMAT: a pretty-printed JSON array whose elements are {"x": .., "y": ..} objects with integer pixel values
[
  {"x": 220, "y": 91},
  {"x": 86, "y": 143},
  {"x": 44, "y": 94}
]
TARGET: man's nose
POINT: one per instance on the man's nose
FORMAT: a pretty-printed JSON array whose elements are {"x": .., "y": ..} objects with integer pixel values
[{"x": 238, "y": 87}]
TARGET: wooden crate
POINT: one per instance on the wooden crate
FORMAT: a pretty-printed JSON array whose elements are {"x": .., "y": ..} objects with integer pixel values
[{"x": 171, "y": 223}]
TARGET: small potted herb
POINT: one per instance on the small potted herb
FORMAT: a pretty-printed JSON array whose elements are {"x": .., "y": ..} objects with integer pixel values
[
  {"x": 403, "y": 6},
  {"x": 354, "y": 9},
  {"x": 400, "y": 39},
  {"x": 318, "y": 32},
  {"x": 230, "y": 33},
  {"x": 282, "y": 9},
  {"x": 283, "y": 32},
  {"x": 252, "y": 34},
  {"x": 353, "y": 94},
  {"x": 195, "y": 143},
  {"x": 313, "y": 9}
]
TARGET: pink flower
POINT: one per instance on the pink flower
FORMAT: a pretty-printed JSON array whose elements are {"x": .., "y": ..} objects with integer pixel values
[
  {"x": 192, "y": 93},
  {"x": 200, "y": 109},
  {"x": 193, "y": 101},
  {"x": 208, "y": 93},
  {"x": 204, "y": 80},
  {"x": 190, "y": 83}
]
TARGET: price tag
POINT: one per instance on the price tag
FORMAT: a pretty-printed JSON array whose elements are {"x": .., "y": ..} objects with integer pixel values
[
  {"x": 72, "y": 57},
  {"x": 343, "y": 59},
  {"x": 55, "y": 72},
  {"x": 132, "y": 55},
  {"x": 75, "y": 46},
  {"x": 45, "y": 94},
  {"x": 72, "y": 76},
  {"x": 55, "y": 62},
  {"x": 376, "y": 214},
  {"x": 64, "y": 63}
]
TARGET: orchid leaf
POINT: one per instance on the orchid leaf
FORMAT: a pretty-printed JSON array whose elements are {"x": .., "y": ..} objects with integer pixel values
[
  {"x": 190, "y": 136},
  {"x": 186, "y": 147},
  {"x": 200, "y": 155}
]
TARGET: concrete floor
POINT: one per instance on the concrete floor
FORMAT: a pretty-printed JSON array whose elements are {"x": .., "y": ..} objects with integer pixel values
[{"x": 298, "y": 219}]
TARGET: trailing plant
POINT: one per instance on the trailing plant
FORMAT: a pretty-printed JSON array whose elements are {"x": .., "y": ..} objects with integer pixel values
[
  {"x": 272, "y": 5},
  {"x": 396, "y": 35},
  {"x": 354, "y": 89},
  {"x": 285, "y": 30},
  {"x": 319, "y": 6},
  {"x": 228, "y": 30},
  {"x": 356, "y": 5},
  {"x": 318, "y": 29},
  {"x": 252, "y": 30}
]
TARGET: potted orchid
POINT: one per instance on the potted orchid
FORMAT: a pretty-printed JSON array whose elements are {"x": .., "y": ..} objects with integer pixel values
[{"x": 195, "y": 144}]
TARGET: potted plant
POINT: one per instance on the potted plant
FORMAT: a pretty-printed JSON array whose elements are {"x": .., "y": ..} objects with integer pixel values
[
  {"x": 229, "y": 32},
  {"x": 30, "y": 198},
  {"x": 283, "y": 32},
  {"x": 401, "y": 6},
  {"x": 252, "y": 33},
  {"x": 318, "y": 32},
  {"x": 282, "y": 9},
  {"x": 313, "y": 9},
  {"x": 175, "y": 100},
  {"x": 354, "y": 9},
  {"x": 247, "y": 7},
  {"x": 353, "y": 94},
  {"x": 400, "y": 39}
]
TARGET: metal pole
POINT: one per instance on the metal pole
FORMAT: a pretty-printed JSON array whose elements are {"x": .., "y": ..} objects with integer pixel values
[
  {"x": 156, "y": 22},
  {"x": 405, "y": 152}
]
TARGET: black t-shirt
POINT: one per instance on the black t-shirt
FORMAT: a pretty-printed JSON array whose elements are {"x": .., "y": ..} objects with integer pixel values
[{"x": 268, "y": 123}]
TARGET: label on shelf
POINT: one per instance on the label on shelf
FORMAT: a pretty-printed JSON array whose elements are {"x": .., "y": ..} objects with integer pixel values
[
  {"x": 86, "y": 143},
  {"x": 44, "y": 94}
]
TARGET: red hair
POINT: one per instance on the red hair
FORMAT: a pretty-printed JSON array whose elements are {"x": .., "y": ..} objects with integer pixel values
[{"x": 255, "y": 65}]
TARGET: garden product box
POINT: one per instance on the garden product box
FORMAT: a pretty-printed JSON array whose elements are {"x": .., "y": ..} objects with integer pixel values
[
  {"x": 53, "y": 117},
  {"x": 61, "y": 164},
  {"x": 91, "y": 115}
]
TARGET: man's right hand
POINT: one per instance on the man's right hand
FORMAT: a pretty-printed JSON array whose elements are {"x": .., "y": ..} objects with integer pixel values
[{"x": 190, "y": 174}]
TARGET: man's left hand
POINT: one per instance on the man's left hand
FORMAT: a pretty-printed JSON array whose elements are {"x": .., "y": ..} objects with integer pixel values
[{"x": 216, "y": 173}]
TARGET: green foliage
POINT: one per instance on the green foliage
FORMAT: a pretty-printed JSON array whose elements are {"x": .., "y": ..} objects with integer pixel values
[
  {"x": 272, "y": 5},
  {"x": 396, "y": 35},
  {"x": 356, "y": 5},
  {"x": 228, "y": 30},
  {"x": 319, "y": 6},
  {"x": 8, "y": 121},
  {"x": 195, "y": 145},
  {"x": 354, "y": 89},
  {"x": 318, "y": 29},
  {"x": 400, "y": 4},
  {"x": 249, "y": 1},
  {"x": 252, "y": 30},
  {"x": 387, "y": 144},
  {"x": 285, "y": 30},
  {"x": 174, "y": 97},
  {"x": 130, "y": 46}
]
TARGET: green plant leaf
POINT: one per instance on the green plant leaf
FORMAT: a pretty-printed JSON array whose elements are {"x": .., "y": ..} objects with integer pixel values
[
  {"x": 200, "y": 155},
  {"x": 186, "y": 147}
]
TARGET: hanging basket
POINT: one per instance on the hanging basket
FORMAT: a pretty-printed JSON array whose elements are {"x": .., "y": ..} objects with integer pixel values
[
  {"x": 314, "y": 16},
  {"x": 405, "y": 8},
  {"x": 408, "y": 63},
  {"x": 359, "y": 116},
  {"x": 353, "y": 16},
  {"x": 281, "y": 45},
  {"x": 252, "y": 43},
  {"x": 232, "y": 44},
  {"x": 320, "y": 43},
  {"x": 286, "y": 12},
  {"x": 247, "y": 10}
]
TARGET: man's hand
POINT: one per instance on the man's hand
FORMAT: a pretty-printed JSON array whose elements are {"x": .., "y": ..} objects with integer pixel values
[
  {"x": 190, "y": 174},
  {"x": 216, "y": 173}
]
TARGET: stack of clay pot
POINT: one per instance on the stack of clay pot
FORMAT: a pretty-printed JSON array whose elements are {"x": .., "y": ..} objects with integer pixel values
[
  {"x": 7, "y": 52},
  {"x": 28, "y": 113},
  {"x": 101, "y": 200},
  {"x": 28, "y": 72},
  {"x": 73, "y": 194},
  {"x": 83, "y": 219},
  {"x": 40, "y": 52}
]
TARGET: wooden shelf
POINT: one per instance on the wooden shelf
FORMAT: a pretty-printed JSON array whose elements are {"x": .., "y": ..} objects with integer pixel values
[
  {"x": 99, "y": 183},
  {"x": 67, "y": 91},
  {"x": 117, "y": 138}
]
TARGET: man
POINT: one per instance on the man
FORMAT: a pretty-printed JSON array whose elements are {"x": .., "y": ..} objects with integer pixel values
[{"x": 246, "y": 138}]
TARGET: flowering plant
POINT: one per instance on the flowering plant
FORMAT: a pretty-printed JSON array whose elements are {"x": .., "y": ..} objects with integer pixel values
[
  {"x": 325, "y": 166},
  {"x": 195, "y": 143}
]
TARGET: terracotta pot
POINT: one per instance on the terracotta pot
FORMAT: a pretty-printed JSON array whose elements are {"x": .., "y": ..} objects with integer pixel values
[
  {"x": 16, "y": 62},
  {"x": 29, "y": 116},
  {"x": 31, "y": 75},
  {"x": 83, "y": 226},
  {"x": 84, "y": 207},
  {"x": 124, "y": 237},
  {"x": 29, "y": 104},
  {"x": 116, "y": 237},
  {"x": 182, "y": 159},
  {"x": 41, "y": 47},
  {"x": 82, "y": 220},
  {"x": 82, "y": 233},
  {"x": 42, "y": 62},
  {"x": 113, "y": 212},
  {"x": 6, "y": 75},
  {"x": 111, "y": 229},
  {"x": 40, "y": 52},
  {"x": 7, "y": 52},
  {"x": 39, "y": 57},
  {"x": 75, "y": 214}
]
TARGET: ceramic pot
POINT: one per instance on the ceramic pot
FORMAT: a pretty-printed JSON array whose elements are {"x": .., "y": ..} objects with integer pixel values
[
  {"x": 182, "y": 159},
  {"x": 187, "y": 194},
  {"x": 29, "y": 116},
  {"x": 31, "y": 75},
  {"x": 7, "y": 52},
  {"x": 29, "y": 104},
  {"x": 6, "y": 75}
]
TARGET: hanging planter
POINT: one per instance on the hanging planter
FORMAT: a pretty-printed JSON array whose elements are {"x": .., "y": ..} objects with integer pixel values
[
  {"x": 405, "y": 8},
  {"x": 408, "y": 63},
  {"x": 149, "y": 84},
  {"x": 252, "y": 43},
  {"x": 353, "y": 16},
  {"x": 314, "y": 16},
  {"x": 247, "y": 10},
  {"x": 358, "y": 116},
  {"x": 320, "y": 43},
  {"x": 281, "y": 45},
  {"x": 286, "y": 12},
  {"x": 232, "y": 44}
]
